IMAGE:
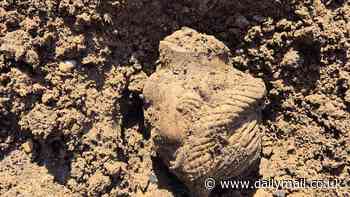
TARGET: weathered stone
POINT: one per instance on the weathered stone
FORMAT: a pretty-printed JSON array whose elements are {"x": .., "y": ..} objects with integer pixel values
[{"x": 204, "y": 112}]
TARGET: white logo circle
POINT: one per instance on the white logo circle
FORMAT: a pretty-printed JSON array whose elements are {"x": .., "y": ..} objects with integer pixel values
[{"x": 209, "y": 183}]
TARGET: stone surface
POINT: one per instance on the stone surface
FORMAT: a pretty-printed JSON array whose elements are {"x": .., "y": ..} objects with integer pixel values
[{"x": 204, "y": 113}]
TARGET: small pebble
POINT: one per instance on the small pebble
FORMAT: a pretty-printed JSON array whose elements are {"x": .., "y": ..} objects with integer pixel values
[
  {"x": 67, "y": 66},
  {"x": 28, "y": 146}
]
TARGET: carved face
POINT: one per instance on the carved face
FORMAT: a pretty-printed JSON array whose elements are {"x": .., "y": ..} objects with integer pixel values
[
  {"x": 205, "y": 112},
  {"x": 181, "y": 98}
]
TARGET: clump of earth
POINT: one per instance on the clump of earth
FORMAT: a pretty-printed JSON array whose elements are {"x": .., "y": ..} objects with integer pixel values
[{"x": 72, "y": 75}]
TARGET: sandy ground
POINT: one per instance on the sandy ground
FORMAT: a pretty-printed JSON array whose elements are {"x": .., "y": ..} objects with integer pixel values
[{"x": 72, "y": 73}]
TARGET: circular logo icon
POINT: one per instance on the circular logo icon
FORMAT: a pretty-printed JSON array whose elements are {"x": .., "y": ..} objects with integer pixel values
[{"x": 209, "y": 183}]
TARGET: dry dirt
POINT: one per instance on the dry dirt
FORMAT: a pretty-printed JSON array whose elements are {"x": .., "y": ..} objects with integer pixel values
[{"x": 72, "y": 73}]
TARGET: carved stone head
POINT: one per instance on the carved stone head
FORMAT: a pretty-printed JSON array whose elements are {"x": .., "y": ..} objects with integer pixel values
[{"x": 204, "y": 113}]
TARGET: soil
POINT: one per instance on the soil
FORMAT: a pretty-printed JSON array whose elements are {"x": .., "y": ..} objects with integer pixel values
[{"x": 72, "y": 74}]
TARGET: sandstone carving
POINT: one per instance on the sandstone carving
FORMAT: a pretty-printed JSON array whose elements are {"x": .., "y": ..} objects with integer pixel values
[{"x": 204, "y": 113}]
